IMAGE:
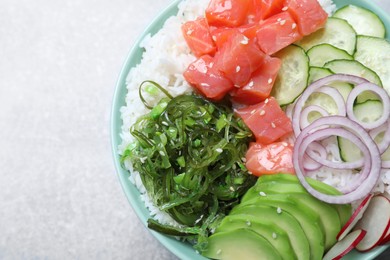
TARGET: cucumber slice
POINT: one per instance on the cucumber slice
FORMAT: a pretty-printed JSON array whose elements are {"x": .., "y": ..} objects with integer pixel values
[
  {"x": 386, "y": 155},
  {"x": 316, "y": 73},
  {"x": 369, "y": 111},
  {"x": 293, "y": 75},
  {"x": 336, "y": 32},
  {"x": 354, "y": 67},
  {"x": 374, "y": 53},
  {"x": 322, "y": 53},
  {"x": 363, "y": 21}
]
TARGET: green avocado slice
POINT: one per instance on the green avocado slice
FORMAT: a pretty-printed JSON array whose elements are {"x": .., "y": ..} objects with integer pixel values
[
  {"x": 307, "y": 218},
  {"x": 241, "y": 243},
  {"x": 274, "y": 234},
  {"x": 287, "y": 222}
]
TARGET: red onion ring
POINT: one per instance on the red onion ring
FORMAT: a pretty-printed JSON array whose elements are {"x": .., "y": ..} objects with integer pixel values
[
  {"x": 300, "y": 102},
  {"x": 368, "y": 86},
  {"x": 315, "y": 148},
  {"x": 370, "y": 173}
]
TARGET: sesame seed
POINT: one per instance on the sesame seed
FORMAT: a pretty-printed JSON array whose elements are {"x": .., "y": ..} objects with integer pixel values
[
  {"x": 270, "y": 80},
  {"x": 248, "y": 223},
  {"x": 294, "y": 25},
  {"x": 250, "y": 173},
  {"x": 189, "y": 32},
  {"x": 279, "y": 210},
  {"x": 282, "y": 22},
  {"x": 273, "y": 125},
  {"x": 238, "y": 68},
  {"x": 274, "y": 235},
  {"x": 162, "y": 153},
  {"x": 243, "y": 159},
  {"x": 279, "y": 19},
  {"x": 245, "y": 41},
  {"x": 261, "y": 193},
  {"x": 285, "y": 8},
  {"x": 219, "y": 251},
  {"x": 214, "y": 38},
  {"x": 218, "y": 150},
  {"x": 285, "y": 144},
  {"x": 251, "y": 83},
  {"x": 211, "y": 64},
  {"x": 266, "y": 101},
  {"x": 164, "y": 123},
  {"x": 231, "y": 188},
  {"x": 262, "y": 112},
  {"x": 253, "y": 111}
]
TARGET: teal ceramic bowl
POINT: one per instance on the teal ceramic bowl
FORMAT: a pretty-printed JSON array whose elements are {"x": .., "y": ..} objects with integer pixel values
[{"x": 180, "y": 249}]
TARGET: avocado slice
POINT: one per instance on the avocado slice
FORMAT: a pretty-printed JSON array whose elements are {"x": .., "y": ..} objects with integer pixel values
[
  {"x": 308, "y": 219},
  {"x": 241, "y": 243},
  {"x": 287, "y": 222},
  {"x": 272, "y": 188},
  {"x": 329, "y": 218},
  {"x": 274, "y": 234},
  {"x": 344, "y": 210}
]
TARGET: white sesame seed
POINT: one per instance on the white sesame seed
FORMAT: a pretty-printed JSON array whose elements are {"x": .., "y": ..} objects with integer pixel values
[
  {"x": 270, "y": 80},
  {"x": 250, "y": 173},
  {"x": 162, "y": 153},
  {"x": 253, "y": 111},
  {"x": 282, "y": 22},
  {"x": 214, "y": 38},
  {"x": 279, "y": 19},
  {"x": 243, "y": 159},
  {"x": 274, "y": 235},
  {"x": 251, "y": 83},
  {"x": 262, "y": 112},
  {"x": 273, "y": 125},
  {"x": 189, "y": 32},
  {"x": 266, "y": 101},
  {"x": 285, "y": 144},
  {"x": 211, "y": 64},
  {"x": 238, "y": 68},
  {"x": 248, "y": 223},
  {"x": 231, "y": 188},
  {"x": 279, "y": 210},
  {"x": 219, "y": 251},
  {"x": 218, "y": 150},
  {"x": 294, "y": 25},
  {"x": 285, "y": 8},
  {"x": 261, "y": 193},
  {"x": 164, "y": 123},
  {"x": 245, "y": 41}
]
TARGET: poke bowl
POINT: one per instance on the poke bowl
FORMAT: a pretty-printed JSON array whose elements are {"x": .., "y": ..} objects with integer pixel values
[{"x": 168, "y": 26}]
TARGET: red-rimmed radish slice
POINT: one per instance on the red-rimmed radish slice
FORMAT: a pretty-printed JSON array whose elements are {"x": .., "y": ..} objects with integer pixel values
[
  {"x": 376, "y": 221},
  {"x": 342, "y": 247},
  {"x": 356, "y": 216},
  {"x": 386, "y": 238}
]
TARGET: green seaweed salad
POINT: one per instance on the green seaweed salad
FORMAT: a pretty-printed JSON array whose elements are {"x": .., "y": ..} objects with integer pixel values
[{"x": 190, "y": 156}]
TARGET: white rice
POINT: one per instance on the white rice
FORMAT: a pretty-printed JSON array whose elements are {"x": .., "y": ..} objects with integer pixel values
[{"x": 165, "y": 58}]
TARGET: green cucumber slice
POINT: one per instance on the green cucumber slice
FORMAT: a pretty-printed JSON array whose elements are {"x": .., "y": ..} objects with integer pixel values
[
  {"x": 293, "y": 75},
  {"x": 362, "y": 20},
  {"x": 369, "y": 111},
  {"x": 322, "y": 53},
  {"x": 336, "y": 32},
  {"x": 356, "y": 68},
  {"x": 374, "y": 53}
]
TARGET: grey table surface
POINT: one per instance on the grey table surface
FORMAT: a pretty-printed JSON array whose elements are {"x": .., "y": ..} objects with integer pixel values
[{"x": 60, "y": 197}]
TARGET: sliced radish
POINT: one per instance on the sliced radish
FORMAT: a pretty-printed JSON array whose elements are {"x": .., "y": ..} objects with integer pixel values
[
  {"x": 357, "y": 214},
  {"x": 343, "y": 246},
  {"x": 386, "y": 238},
  {"x": 376, "y": 221}
]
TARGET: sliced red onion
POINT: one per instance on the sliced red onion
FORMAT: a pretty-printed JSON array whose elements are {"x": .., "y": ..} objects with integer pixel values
[
  {"x": 370, "y": 173},
  {"x": 385, "y": 143},
  {"x": 300, "y": 102},
  {"x": 368, "y": 86},
  {"x": 304, "y": 121},
  {"x": 318, "y": 149}
]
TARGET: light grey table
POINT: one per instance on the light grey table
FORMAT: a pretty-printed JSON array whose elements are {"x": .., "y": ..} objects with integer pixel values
[{"x": 59, "y": 194}]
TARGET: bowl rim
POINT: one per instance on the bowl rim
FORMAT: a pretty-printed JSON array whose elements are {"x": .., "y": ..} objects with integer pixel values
[{"x": 132, "y": 194}]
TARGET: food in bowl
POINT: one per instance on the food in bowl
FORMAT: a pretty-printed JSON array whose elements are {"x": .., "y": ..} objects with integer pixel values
[{"x": 209, "y": 120}]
